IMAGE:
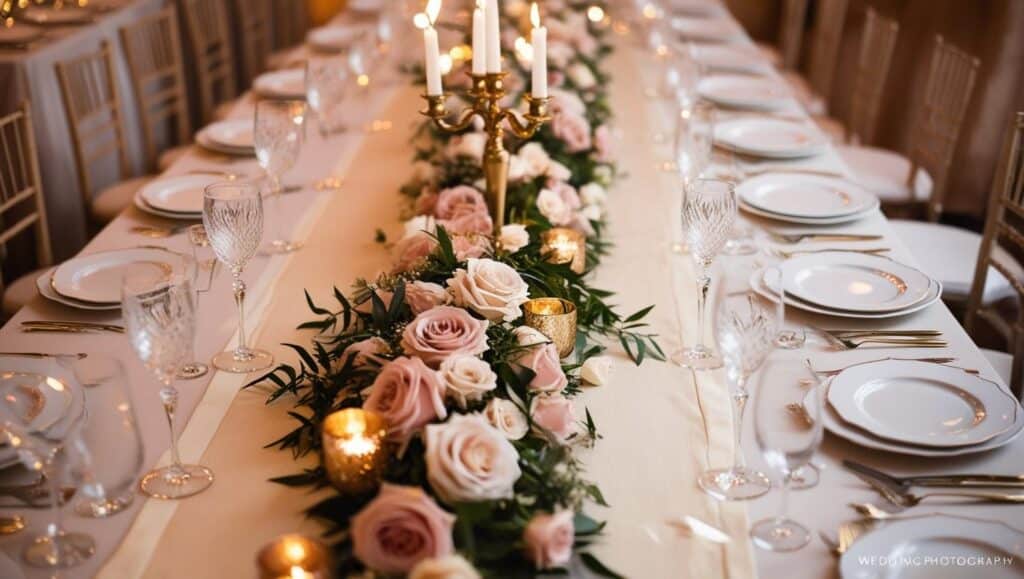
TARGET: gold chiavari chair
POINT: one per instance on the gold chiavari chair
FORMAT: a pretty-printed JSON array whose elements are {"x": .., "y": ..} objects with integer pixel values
[
  {"x": 1004, "y": 227},
  {"x": 21, "y": 203},
  {"x": 152, "y": 48},
  {"x": 96, "y": 121},
  {"x": 254, "y": 37},
  {"x": 291, "y": 22},
  {"x": 209, "y": 40},
  {"x": 791, "y": 33},
  {"x": 813, "y": 92},
  {"x": 876, "y": 49}
]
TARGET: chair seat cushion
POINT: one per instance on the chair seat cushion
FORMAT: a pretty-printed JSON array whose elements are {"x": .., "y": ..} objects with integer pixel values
[
  {"x": 171, "y": 156},
  {"x": 834, "y": 128},
  {"x": 1001, "y": 362},
  {"x": 110, "y": 202},
  {"x": 885, "y": 174},
  {"x": 20, "y": 292},
  {"x": 770, "y": 53},
  {"x": 805, "y": 95},
  {"x": 950, "y": 254}
]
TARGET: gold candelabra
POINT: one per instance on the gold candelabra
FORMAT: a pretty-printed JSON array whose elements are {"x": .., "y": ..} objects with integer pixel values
[{"x": 487, "y": 92}]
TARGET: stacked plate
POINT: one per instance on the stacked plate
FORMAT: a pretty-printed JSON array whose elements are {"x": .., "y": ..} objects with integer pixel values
[
  {"x": 178, "y": 197},
  {"x": 920, "y": 408},
  {"x": 231, "y": 137},
  {"x": 707, "y": 30},
  {"x": 698, "y": 8},
  {"x": 333, "y": 38},
  {"x": 727, "y": 58},
  {"x": 281, "y": 84},
  {"x": 50, "y": 16},
  {"x": 93, "y": 282},
  {"x": 770, "y": 138},
  {"x": 805, "y": 199},
  {"x": 745, "y": 92},
  {"x": 850, "y": 285},
  {"x": 18, "y": 35}
]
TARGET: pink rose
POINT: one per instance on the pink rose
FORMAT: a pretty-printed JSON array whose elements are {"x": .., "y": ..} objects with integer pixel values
[
  {"x": 413, "y": 250},
  {"x": 554, "y": 414},
  {"x": 567, "y": 192},
  {"x": 422, "y": 296},
  {"x": 547, "y": 367},
  {"x": 565, "y": 102},
  {"x": 553, "y": 207},
  {"x": 556, "y": 78},
  {"x": 573, "y": 130},
  {"x": 549, "y": 539},
  {"x": 470, "y": 246},
  {"x": 399, "y": 528},
  {"x": 407, "y": 395},
  {"x": 490, "y": 288},
  {"x": 603, "y": 144},
  {"x": 459, "y": 201},
  {"x": 368, "y": 351},
  {"x": 470, "y": 223},
  {"x": 442, "y": 331},
  {"x": 469, "y": 460}
]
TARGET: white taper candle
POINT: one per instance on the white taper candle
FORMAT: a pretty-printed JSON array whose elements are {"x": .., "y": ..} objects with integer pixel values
[
  {"x": 479, "y": 42},
  {"x": 539, "y": 40},
  {"x": 493, "y": 18}
]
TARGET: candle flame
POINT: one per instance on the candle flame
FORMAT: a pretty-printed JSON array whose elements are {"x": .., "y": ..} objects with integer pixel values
[
  {"x": 433, "y": 10},
  {"x": 535, "y": 15},
  {"x": 421, "y": 21},
  {"x": 295, "y": 551}
]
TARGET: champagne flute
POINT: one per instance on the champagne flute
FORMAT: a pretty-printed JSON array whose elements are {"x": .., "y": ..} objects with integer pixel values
[
  {"x": 160, "y": 320},
  {"x": 40, "y": 447},
  {"x": 278, "y": 140},
  {"x": 694, "y": 138},
  {"x": 328, "y": 82},
  {"x": 233, "y": 217},
  {"x": 709, "y": 210},
  {"x": 745, "y": 330},
  {"x": 787, "y": 443}
]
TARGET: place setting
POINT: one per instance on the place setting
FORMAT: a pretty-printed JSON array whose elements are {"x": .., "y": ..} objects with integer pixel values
[
  {"x": 706, "y": 29},
  {"x": 730, "y": 59},
  {"x": 288, "y": 84},
  {"x": 234, "y": 137},
  {"x": 805, "y": 199}
]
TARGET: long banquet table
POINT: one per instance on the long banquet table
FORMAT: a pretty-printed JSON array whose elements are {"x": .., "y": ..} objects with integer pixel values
[{"x": 661, "y": 425}]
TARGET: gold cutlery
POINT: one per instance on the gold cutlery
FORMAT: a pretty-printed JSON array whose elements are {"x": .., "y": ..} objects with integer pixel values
[
  {"x": 798, "y": 237},
  {"x": 837, "y": 371},
  {"x": 12, "y": 524},
  {"x": 229, "y": 175},
  {"x": 800, "y": 413},
  {"x": 789, "y": 254},
  {"x": 906, "y": 499},
  {"x": 78, "y": 356},
  {"x": 871, "y": 511},
  {"x": 694, "y": 527},
  {"x": 943, "y": 480},
  {"x": 847, "y": 535},
  {"x": 897, "y": 332},
  {"x": 159, "y": 232},
  {"x": 749, "y": 171},
  {"x": 896, "y": 342},
  {"x": 55, "y": 326}
]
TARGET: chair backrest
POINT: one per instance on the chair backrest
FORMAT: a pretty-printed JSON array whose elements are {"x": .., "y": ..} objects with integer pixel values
[
  {"x": 291, "y": 22},
  {"x": 255, "y": 37},
  {"x": 828, "y": 35},
  {"x": 791, "y": 32},
  {"x": 152, "y": 48},
  {"x": 1004, "y": 227},
  {"x": 209, "y": 40},
  {"x": 933, "y": 141},
  {"x": 21, "y": 189},
  {"x": 878, "y": 42},
  {"x": 95, "y": 118}
]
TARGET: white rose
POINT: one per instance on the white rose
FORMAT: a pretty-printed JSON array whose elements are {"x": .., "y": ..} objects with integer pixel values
[
  {"x": 513, "y": 237},
  {"x": 527, "y": 336},
  {"x": 558, "y": 171},
  {"x": 551, "y": 206},
  {"x": 597, "y": 370},
  {"x": 592, "y": 212},
  {"x": 490, "y": 288},
  {"x": 535, "y": 158},
  {"x": 364, "y": 352},
  {"x": 593, "y": 194},
  {"x": 603, "y": 174},
  {"x": 507, "y": 418},
  {"x": 447, "y": 567},
  {"x": 422, "y": 295},
  {"x": 560, "y": 53},
  {"x": 469, "y": 145},
  {"x": 518, "y": 170},
  {"x": 420, "y": 223},
  {"x": 566, "y": 101},
  {"x": 470, "y": 460},
  {"x": 466, "y": 378},
  {"x": 582, "y": 76},
  {"x": 422, "y": 172}
]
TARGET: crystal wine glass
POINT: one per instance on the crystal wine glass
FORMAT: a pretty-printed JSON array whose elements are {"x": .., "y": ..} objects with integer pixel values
[
  {"x": 233, "y": 217},
  {"x": 200, "y": 284},
  {"x": 694, "y": 138},
  {"x": 709, "y": 210},
  {"x": 745, "y": 330},
  {"x": 787, "y": 443},
  {"x": 328, "y": 82},
  {"x": 160, "y": 320},
  {"x": 106, "y": 453},
  {"x": 790, "y": 336},
  {"x": 40, "y": 445},
  {"x": 278, "y": 140}
]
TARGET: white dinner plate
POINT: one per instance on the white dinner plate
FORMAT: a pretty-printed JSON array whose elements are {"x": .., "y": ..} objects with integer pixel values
[
  {"x": 366, "y": 6},
  {"x": 854, "y": 282},
  {"x": 807, "y": 220},
  {"x": 705, "y": 29},
  {"x": 181, "y": 194},
  {"x": 760, "y": 285},
  {"x": 48, "y": 399},
  {"x": 837, "y": 426},
  {"x": 19, "y": 34},
  {"x": 728, "y": 58},
  {"x": 931, "y": 546},
  {"x": 744, "y": 92},
  {"x": 56, "y": 17},
  {"x": 47, "y": 291},
  {"x": 770, "y": 138},
  {"x": 806, "y": 196},
  {"x": 697, "y": 8},
  {"x": 333, "y": 38},
  {"x": 950, "y": 406},
  {"x": 233, "y": 137},
  {"x": 96, "y": 278},
  {"x": 141, "y": 205},
  {"x": 282, "y": 84}
]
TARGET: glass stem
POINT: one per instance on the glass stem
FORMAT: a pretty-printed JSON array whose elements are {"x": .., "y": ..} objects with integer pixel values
[
  {"x": 275, "y": 188},
  {"x": 784, "y": 499},
  {"x": 703, "y": 285},
  {"x": 56, "y": 526},
  {"x": 169, "y": 396},
  {"x": 242, "y": 350},
  {"x": 739, "y": 404}
]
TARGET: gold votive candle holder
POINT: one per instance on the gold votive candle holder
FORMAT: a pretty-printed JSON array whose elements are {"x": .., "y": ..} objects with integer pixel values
[
  {"x": 354, "y": 449},
  {"x": 556, "y": 319},
  {"x": 561, "y": 245},
  {"x": 294, "y": 556}
]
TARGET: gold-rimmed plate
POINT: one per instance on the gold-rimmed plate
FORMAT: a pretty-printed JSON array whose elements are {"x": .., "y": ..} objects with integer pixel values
[
  {"x": 96, "y": 278},
  {"x": 854, "y": 282}
]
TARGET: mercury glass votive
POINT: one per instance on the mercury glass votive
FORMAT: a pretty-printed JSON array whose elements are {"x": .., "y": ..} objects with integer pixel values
[
  {"x": 556, "y": 319},
  {"x": 354, "y": 449},
  {"x": 294, "y": 556},
  {"x": 563, "y": 245}
]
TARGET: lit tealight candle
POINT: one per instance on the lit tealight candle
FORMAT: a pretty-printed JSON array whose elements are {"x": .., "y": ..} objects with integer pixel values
[
  {"x": 294, "y": 556},
  {"x": 354, "y": 449},
  {"x": 563, "y": 245},
  {"x": 556, "y": 319}
]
